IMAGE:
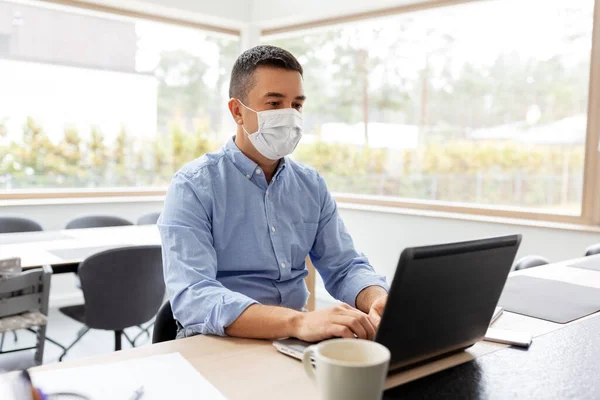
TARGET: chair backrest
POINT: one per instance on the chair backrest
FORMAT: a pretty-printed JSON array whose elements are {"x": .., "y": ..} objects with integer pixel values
[
  {"x": 18, "y": 224},
  {"x": 593, "y": 250},
  {"x": 165, "y": 327},
  {"x": 122, "y": 287},
  {"x": 530, "y": 262},
  {"x": 97, "y": 221},
  {"x": 148, "y": 219},
  {"x": 27, "y": 291}
]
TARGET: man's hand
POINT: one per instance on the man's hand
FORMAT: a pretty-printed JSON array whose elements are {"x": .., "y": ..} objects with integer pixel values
[
  {"x": 377, "y": 308},
  {"x": 338, "y": 321},
  {"x": 372, "y": 300}
]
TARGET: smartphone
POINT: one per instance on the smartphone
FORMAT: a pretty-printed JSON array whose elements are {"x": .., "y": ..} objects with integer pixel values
[{"x": 520, "y": 339}]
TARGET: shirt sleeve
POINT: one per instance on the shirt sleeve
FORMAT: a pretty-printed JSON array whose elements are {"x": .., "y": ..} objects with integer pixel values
[
  {"x": 345, "y": 271},
  {"x": 200, "y": 303}
]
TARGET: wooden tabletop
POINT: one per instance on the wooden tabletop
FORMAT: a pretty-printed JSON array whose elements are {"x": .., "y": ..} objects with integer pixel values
[{"x": 250, "y": 369}]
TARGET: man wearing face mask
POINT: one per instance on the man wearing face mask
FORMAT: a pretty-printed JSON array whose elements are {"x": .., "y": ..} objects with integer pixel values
[{"x": 238, "y": 224}]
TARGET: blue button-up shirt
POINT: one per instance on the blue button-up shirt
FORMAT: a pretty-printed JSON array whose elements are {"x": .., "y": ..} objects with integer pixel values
[{"x": 231, "y": 240}]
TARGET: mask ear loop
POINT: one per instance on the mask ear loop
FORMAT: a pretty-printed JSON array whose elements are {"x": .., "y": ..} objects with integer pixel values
[{"x": 245, "y": 106}]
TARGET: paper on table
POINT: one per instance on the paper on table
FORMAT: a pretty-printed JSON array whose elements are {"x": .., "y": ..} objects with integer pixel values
[{"x": 168, "y": 376}]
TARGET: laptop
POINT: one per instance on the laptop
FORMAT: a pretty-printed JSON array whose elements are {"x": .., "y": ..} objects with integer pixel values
[{"x": 441, "y": 300}]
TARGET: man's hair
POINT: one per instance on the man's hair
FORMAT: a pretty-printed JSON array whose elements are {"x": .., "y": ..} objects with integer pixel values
[{"x": 242, "y": 75}]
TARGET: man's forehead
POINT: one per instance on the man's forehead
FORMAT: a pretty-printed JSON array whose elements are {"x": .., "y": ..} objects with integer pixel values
[{"x": 277, "y": 82}]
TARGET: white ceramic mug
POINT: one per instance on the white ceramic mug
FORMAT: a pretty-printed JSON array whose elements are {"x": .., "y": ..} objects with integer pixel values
[{"x": 348, "y": 369}]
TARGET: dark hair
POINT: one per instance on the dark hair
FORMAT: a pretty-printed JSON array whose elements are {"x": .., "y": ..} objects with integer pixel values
[{"x": 242, "y": 75}]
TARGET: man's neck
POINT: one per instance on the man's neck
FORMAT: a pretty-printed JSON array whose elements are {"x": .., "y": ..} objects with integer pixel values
[{"x": 268, "y": 166}]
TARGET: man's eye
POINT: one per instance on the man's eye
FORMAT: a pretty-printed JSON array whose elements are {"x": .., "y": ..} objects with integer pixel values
[
  {"x": 273, "y": 103},
  {"x": 298, "y": 106}
]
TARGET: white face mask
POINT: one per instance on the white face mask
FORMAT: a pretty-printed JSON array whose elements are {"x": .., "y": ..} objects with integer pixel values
[{"x": 278, "y": 134}]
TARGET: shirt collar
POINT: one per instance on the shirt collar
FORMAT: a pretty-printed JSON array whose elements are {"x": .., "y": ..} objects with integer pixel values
[{"x": 243, "y": 163}]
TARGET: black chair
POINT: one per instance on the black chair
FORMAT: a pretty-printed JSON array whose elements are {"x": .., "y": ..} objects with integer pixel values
[
  {"x": 593, "y": 250},
  {"x": 530, "y": 262},
  {"x": 97, "y": 221},
  {"x": 122, "y": 288},
  {"x": 18, "y": 224},
  {"x": 149, "y": 219},
  {"x": 165, "y": 327},
  {"x": 9, "y": 224}
]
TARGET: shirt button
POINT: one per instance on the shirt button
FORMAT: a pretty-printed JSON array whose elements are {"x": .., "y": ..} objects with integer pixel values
[
  {"x": 282, "y": 265},
  {"x": 258, "y": 171},
  {"x": 273, "y": 229},
  {"x": 267, "y": 193},
  {"x": 248, "y": 176}
]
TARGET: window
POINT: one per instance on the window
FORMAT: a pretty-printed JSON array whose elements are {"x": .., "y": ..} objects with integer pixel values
[
  {"x": 483, "y": 103},
  {"x": 92, "y": 100}
]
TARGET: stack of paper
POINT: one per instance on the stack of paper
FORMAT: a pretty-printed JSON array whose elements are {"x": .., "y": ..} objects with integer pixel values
[{"x": 168, "y": 376}]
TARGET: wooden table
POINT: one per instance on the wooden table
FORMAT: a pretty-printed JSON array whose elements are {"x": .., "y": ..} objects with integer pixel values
[{"x": 251, "y": 369}]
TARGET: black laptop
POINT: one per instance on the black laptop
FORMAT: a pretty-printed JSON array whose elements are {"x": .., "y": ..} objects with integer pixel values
[{"x": 441, "y": 300}]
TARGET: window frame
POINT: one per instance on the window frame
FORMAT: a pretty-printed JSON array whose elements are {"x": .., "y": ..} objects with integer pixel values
[{"x": 590, "y": 206}]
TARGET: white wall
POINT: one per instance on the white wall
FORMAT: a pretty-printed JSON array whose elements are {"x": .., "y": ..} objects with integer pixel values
[
  {"x": 380, "y": 235},
  {"x": 53, "y": 216}
]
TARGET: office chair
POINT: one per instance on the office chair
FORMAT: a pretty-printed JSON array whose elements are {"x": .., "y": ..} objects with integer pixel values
[
  {"x": 10, "y": 224},
  {"x": 149, "y": 219},
  {"x": 530, "y": 262},
  {"x": 122, "y": 287},
  {"x": 103, "y": 221},
  {"x": 97, "y": 221},
  {"x": 165, "y": 327},
  {"x": 18, "y": 225},
  {"x": 593, "y": 250}
]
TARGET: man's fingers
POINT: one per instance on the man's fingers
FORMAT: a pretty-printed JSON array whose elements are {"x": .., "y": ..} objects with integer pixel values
[
  {"x": 354, "y": 324},
  {"x": 341, "y": 331},
  {"x": 375, "y": 319},
  {"x": 368, "y": 324}
]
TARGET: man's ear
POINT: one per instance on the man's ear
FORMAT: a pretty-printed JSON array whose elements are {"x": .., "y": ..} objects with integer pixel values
[{"x": 236, "y": 111}]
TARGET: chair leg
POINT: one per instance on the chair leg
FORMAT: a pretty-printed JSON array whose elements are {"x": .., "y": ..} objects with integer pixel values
[
  {"x": 41, "y": 341},
  {"x": 54, "y": 342},
  {"x": 80, "y": 335},
  {"x": 118, "y": 335},
  {"x": 145, "y": 330},
  {"x": 2, "y": 342},
  {"x": 16, "y": 338},
  {"x": 131, "y": 341}
]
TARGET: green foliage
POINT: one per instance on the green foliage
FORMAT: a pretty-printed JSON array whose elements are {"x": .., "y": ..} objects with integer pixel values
[
  {"x": 37, "y": 154},
  {"x": 342, "y": 160},
  {"x": 468, "y": 157},
  {"x": 185, "y": 146},
  {"x": 69, "y": 153}
]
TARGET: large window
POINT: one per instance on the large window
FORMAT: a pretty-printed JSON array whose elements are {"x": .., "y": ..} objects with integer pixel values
[
  {"x": 482, "y": 103},
  {"x": 90, "y": 100}
]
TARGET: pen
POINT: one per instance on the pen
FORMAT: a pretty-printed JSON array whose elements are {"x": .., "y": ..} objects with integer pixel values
[{"x": 137, "y": 395}]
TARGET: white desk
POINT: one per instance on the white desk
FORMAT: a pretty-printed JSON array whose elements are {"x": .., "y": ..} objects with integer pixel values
[{"x": 72, "y": 246}]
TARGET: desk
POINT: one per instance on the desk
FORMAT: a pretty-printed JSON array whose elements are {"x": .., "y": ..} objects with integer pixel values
[
  {"x": 251, "y": 369},
  {"x": 564, "y": 364},
  {"x": 72, "y": 246}
]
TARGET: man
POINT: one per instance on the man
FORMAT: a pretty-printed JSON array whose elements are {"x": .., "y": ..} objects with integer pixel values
[{"x": 237, "y": 225}]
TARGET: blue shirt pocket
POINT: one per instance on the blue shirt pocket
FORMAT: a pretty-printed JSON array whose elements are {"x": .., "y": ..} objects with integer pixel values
[{"x": 304, "y": 235}]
